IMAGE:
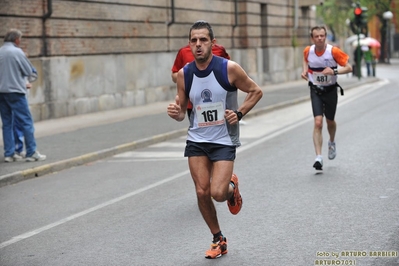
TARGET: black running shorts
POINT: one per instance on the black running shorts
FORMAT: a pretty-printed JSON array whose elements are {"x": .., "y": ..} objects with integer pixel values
[
  {"x": 215, "y": 152},
  {"x": 324, "y": 104}
]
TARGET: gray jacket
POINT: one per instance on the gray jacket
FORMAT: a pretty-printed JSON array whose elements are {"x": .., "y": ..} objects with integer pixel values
[{"x": 14, "y": 68}]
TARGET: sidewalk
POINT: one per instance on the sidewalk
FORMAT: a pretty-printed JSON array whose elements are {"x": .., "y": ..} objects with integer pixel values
[{"x": 78, "y": 140}]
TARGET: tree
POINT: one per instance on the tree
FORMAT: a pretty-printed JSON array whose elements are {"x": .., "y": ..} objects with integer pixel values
[
  {"x": 334, "y": 14},
  {"x": 378, "y": 8}
]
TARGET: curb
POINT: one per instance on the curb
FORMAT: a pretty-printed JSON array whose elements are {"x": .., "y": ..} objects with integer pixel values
[
  {"x": 86, "y": 158},
  {"x": 42, "y": 170}
]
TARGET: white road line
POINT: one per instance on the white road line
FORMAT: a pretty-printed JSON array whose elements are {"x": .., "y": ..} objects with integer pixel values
[
  {"x": 150, "y": 154},
  {"x": 180, "y": 144},
  {"x": 90, "y": 210},
  {"x": 147, "y": 160},
  {"x": 363, "y": 90}
]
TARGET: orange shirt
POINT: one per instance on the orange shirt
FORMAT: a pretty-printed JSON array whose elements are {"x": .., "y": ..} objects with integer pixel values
[
  {"x": 339, "y": 56},
  {"x": 185, "y": 56}
]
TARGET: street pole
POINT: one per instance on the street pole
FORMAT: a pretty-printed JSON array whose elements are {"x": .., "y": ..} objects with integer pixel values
[
  {"x": 388, "y": 41},
  {"x": 388, "y": 15},
  {"x": 359, "y": 22},
  {"x": 358, "y": 59}
]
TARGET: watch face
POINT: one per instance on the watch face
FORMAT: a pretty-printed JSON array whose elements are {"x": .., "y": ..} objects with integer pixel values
[{"x": 239, "y": 115}]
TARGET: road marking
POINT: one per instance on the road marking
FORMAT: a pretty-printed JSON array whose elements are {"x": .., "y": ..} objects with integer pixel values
[
  {"x": 362, "y": 90},
  {"x": 151, "y": 154},
  {"x": 90, "y": 210},
  {"x": 147, "y": 160},
  {"x": 180, "y": 144}
]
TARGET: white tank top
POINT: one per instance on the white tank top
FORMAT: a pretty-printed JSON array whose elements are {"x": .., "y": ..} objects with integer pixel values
[
  {"x": 318, "y": 63},
  {"x": 211, "y": 94}
]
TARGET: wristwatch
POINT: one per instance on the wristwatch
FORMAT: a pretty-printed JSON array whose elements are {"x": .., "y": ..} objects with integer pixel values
[
  {"x": 239, "y": 115},
  {"x": 335, "y": 71}
]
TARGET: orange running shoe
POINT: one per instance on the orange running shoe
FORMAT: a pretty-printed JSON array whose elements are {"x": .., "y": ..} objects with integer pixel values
[
  {"x": 235, "y": 202},
  {"x": 217, "y": 249}
]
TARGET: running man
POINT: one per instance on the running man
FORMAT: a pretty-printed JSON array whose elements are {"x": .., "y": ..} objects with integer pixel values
[
  {"x": 211, "y": 83},
  {"x": 320, "y": 68}
]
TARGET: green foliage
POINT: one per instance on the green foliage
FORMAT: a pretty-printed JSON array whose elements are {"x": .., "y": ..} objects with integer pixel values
[
  {"x": 377, "y": 7},
  {"x": 334, "y": 13}
]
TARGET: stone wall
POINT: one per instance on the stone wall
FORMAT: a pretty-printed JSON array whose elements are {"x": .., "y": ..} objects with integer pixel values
[{"x": 105, "y": 54}]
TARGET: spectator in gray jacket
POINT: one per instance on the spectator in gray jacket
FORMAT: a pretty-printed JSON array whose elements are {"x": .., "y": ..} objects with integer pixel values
[{"x": 14, "y": 68}]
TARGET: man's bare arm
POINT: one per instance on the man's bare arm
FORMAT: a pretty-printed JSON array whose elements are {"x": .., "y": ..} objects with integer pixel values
[
  {"x": 239, "y": 78},
  {"x": 177, "y": 110},
  {"x": 174, "y": 77}
]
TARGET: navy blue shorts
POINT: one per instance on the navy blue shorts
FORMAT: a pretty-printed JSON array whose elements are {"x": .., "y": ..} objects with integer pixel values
[{"x": 215, "y": 152}]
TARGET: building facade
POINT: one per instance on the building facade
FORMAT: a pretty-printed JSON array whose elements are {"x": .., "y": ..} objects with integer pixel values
[{"x": 96, "y": 55}]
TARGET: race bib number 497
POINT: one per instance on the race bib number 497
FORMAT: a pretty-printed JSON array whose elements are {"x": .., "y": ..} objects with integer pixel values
[{"x": 210, "y": 114}]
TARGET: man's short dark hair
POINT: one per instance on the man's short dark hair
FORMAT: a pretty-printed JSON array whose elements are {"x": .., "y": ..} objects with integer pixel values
[
  {"x": 202, "y": 24},
  {"x": 318, "y": 28}
]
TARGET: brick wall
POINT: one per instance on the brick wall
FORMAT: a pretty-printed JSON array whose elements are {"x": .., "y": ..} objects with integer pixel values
[
  {"x": 140, "y": 26},
  {"x": 105, "y": 54}
]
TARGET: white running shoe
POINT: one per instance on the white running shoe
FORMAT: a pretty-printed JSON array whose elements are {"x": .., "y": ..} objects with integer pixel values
[
  {"x": 36, "y": 157},
  {"x": 332, "y": 151},
  {"x": 318, "y": 165},
  {"x": 16, "y": 157}
]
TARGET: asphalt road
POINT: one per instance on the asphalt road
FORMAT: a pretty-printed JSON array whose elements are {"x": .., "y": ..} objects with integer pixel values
[
  {"x": 77, "y": 140},
  {"x": 139, "y": 207}
]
